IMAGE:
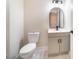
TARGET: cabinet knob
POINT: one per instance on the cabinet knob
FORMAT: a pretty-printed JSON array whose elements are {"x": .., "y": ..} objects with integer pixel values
[{"x": 59, "y": 40}]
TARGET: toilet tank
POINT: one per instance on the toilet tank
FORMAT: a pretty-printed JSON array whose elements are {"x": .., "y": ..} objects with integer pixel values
[{"x": 33, "y": 37}]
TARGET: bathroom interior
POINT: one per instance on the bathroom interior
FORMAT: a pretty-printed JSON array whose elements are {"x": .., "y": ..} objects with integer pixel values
[{"x": 39, "y": 29}]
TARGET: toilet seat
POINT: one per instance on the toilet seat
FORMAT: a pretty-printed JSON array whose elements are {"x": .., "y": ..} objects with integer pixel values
[{"x": 28, "y": 48}]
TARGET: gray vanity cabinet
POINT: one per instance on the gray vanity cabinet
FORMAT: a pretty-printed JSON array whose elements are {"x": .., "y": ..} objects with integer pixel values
[{"x": 58, "y": 43}]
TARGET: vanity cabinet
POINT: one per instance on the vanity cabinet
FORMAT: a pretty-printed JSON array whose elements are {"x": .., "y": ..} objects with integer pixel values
[{"x": 58, "y": 43}]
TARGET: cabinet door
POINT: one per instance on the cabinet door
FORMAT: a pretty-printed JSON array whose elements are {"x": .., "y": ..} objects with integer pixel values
[
  {"x": 65, "y": 44},
  {"x": 53, "y": 46}
]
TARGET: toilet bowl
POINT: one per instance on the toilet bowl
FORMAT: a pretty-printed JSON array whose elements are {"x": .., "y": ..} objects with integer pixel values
[{"x": 26, "y": 52}]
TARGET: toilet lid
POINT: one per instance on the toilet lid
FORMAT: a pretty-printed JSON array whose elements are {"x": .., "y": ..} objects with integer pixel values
[{"x": 27, "y": 48}]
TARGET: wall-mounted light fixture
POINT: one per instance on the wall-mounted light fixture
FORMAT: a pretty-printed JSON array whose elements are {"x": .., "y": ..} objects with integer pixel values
[{"x": 57, "y": 1}]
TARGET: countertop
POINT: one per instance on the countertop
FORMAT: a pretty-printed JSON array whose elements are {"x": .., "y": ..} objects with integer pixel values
[{"x": 58, "y": 31}]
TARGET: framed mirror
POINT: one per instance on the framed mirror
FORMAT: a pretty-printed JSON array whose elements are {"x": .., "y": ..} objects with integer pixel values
[{"x": 56, "y": 18}]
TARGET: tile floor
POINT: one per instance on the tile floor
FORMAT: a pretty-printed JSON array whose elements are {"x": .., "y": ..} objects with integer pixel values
[{"x": 65, "y": 56}]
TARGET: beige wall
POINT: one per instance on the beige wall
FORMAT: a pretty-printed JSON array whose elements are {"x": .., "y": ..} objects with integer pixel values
[{"x": 36, "y": 18}]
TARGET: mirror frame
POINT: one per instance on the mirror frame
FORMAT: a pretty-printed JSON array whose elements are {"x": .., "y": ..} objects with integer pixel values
[{"x": 58, "y": 20}]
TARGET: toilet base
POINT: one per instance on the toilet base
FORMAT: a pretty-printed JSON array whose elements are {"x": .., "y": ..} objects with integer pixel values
[{"x": 30, "y": 57}]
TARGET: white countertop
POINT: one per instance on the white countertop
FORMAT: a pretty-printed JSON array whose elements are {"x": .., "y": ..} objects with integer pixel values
[{"x": 59, "y": 31}]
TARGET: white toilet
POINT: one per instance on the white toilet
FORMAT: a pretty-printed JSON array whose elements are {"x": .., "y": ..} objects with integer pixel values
[{"x": 26, "y": 52}]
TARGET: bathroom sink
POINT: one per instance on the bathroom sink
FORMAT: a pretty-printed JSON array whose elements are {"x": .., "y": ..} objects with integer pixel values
[{"x": 58, "y": 31}]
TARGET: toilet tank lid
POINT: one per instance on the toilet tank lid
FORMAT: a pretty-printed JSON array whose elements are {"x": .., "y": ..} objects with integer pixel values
[
  {"x": 33, "y": 33},
  {"x": 27, "y": 48}
]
